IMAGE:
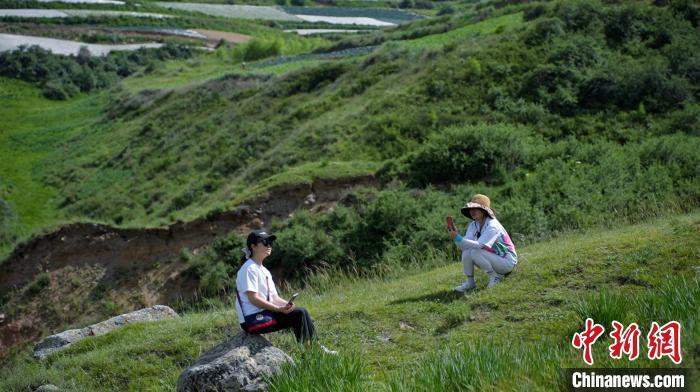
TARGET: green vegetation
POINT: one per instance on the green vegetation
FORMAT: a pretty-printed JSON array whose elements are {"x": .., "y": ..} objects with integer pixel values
[
  {"x": 62, "y": 77},
  {"x": 488, "y": 26},
  {"x": 409, "y": 331},
  {"x": 574, "y": 117},
  {"x": 522, "y": 109},
  {"x": 42, "y": 280},
  {"x": 32, "y": 128}
]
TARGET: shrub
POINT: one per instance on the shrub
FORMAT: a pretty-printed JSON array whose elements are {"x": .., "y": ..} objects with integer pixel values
[
  {"x": 578, "y": 15},
  {"x": 41, "y": 280},
  {"x": 470, "y": 153},
  {"x": 258, "y": 49},
  {"x": 625, "y": 23},
  {"x": 555, "y": 87},
  {"x": 302, "y": 246},
  {"x": 308, "y": 80},
  {"x": 686, "y": 121},
  {"x": 533, "y": 12},
  {"x": 578, "y": 54},
  {"x": 446, "y": 10},
  {"x": 61, "y": 77},
  {"x": 544, "y": 30},
  {"x": 216, "y": 279},
  {"x": 649, "y": 85}
]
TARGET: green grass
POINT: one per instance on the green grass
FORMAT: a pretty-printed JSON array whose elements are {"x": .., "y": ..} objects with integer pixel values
[
  {"x": 410, "y": 331},
  {"x": 174, "y": 74},
  {"x": 32, "y": 127},
  {"x": 307, "y": 174},
  {"x": 488, "y": 26},
  {"x": 234, "y": 195}
]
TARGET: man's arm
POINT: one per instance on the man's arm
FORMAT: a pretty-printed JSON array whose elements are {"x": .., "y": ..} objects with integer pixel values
[{"x": 273, "y": 306}]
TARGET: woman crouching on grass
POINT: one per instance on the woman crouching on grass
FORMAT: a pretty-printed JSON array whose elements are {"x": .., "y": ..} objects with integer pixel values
[
  {"x": 486, "y": 244},
  {"x": 258, "y": 307}
]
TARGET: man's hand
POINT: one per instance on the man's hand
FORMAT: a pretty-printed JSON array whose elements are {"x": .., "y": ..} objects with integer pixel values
[{"x": 286, "y": 309}]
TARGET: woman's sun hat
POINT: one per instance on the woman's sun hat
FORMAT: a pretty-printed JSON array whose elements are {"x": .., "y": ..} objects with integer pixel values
[{"x": 479, "y": 201}]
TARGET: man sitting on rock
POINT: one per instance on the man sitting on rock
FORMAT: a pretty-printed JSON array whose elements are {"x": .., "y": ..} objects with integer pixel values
[{"x": 259, "y": 308}]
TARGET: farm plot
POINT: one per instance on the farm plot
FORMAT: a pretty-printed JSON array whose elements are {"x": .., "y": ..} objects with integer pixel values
[
  {"x": 233, "y": 11},
  {"x": 161, "y": 31},
  {"x": 10, "y": 42},
  {"x": 233, "y": 38},
  {"x": 341, "y": 20},
  {"x": 345, "y": 53},
  {"x": 115, "y": 13},
  {"x": 40, "y": 13},
  {"x": 33, "y": 13},
  {"x": 322, "y": 31},
  {"x": 383, "y": 14},
  {"x": 116, "y": 2}
]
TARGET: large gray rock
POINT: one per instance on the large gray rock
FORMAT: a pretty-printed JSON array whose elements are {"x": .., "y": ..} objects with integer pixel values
[
  {"x": 66, "y": 338},
  {"x": 234, "y": 365},
  {"x": 47, "y": 388}
]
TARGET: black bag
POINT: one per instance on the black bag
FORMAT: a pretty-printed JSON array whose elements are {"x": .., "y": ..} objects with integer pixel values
[{"x": 256, "y": 321}]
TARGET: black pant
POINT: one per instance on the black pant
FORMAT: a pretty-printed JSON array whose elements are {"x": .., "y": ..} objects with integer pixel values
[{"x": 299, "y": 319}]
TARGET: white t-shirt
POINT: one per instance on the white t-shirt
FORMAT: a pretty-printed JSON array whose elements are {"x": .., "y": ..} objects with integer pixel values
[
  {"x": 493, "y": 237},
  {"x": 253, "y": 277}
]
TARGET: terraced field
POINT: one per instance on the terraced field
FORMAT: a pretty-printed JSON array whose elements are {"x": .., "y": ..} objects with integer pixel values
[
  {"x": 46, "y": 13},
  {"x": 65, "y": 47},
  {"x": 233, "y": 11}
]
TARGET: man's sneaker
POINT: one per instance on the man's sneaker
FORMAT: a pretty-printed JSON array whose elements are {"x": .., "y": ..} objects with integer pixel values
[
  {"x": 468, "y": 284},
  {"x": 327, "y": 350},
  {"x": 494, "y": 279}
]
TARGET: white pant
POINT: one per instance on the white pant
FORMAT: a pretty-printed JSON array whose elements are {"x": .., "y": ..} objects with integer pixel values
[{"x": 487, "y": 261}]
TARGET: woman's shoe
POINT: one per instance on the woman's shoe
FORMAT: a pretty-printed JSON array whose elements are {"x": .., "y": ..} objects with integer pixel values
[
  {"x": 468, "y": 284},
  {"x": 494, "y": 279}
]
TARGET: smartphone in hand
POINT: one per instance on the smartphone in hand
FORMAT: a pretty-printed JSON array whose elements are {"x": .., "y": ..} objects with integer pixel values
[
  {"x": 451, "y": 224},
  {"x": 291, "y": 300}
]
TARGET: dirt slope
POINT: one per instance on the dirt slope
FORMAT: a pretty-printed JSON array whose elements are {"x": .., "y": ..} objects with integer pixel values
[{"x": 123, "y": 269}]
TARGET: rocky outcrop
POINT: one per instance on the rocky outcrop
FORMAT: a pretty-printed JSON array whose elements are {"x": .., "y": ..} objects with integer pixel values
[
  {"x": 64, "y": 339},
  {"x": 238, "y": 364},
  {"x": 47, "y": 388}
]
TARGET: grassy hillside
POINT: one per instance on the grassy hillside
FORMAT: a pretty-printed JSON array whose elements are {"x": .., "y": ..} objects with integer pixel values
[
  {"x": 409, "y": 331},
  {"x": 575, "y": 117},
  {"x": 561, "y": 112},
  {"x": 33, "y": 127}
]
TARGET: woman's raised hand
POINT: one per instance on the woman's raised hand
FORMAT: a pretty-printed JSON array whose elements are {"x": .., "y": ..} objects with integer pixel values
[{"x": 451, "y": 228}]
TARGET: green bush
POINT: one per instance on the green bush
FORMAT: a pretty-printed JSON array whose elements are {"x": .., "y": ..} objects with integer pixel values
[
  {"x": 544, "y": 30},
  {"x": 446, "y": 10},
  {"x": 470, "y": 153},
  {"x": 216, "y": 279},
  {"x": 61, "y": 77},
  {"x": 258, "y": 49},
  {"x": 41, "y": 280},
  {"x": 578, "y": 15},
  {"x": 308, "y": 80},
  {"x": 302, "y": 246}
]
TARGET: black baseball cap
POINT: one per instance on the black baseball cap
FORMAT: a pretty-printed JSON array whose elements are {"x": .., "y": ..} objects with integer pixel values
[{"x": 262, "y": 235}]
